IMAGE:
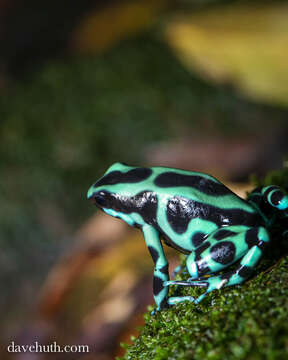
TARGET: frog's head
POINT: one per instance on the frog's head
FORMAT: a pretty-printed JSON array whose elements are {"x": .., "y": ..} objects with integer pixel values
[
  {"x": 121, "y": 192},
  {"x": 103, "y": 192},
  {"x": 113, "y": 191}
]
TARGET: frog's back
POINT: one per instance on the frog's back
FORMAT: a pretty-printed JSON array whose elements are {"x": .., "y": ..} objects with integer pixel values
[
  {"x": 187, "y": 195},
  {"x": 196, "y": 186},
  {"x": 188, "y": 182}
]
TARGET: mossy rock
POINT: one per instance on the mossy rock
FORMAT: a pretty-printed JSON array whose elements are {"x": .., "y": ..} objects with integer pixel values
[{"x": 242, "y": 322}]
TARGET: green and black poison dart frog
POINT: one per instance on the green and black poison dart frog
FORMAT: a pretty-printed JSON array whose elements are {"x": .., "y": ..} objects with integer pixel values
[{"x": 196, "y": 214}]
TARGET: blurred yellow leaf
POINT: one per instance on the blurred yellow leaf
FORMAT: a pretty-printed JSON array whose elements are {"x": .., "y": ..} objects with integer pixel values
[
  {"x": 102, "y": 28},
  {"x": 245, "y": 45}
]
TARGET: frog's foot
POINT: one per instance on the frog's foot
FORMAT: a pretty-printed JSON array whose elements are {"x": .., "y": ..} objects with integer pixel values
[
  {"x": 212, "y": 283},
  {"x": 187, "y": 283}
]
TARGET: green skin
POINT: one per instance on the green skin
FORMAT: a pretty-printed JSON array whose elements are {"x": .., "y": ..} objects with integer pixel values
[{"x": 196, "y": 214}]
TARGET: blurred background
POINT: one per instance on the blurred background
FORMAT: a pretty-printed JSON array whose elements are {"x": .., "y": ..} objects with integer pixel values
[{"x": 194, "y": 84}]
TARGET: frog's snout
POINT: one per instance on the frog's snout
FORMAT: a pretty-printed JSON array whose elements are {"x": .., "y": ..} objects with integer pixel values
[
  {"x": 98, "y": 198},
  {"x": 92, "y": 197}
]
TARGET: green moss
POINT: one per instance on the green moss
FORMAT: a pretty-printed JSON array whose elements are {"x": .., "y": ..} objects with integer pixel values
[
  {"x": 241, "y": 322},
  {"x": 245, "y": 322}
]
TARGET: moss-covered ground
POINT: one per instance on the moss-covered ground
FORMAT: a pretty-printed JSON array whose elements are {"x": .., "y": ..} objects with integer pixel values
[{"x": 242, "y": 322}]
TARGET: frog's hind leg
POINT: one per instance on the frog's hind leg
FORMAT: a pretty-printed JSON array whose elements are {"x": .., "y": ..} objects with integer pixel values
[
  {"x": 256, "y": 238},
  {"x": 275, "y": 196},
  {"x": 272, "y": 195},
  {"x": 196, "y": 262}
]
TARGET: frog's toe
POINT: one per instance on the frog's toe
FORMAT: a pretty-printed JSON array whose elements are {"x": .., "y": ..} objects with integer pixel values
[
  {"x": 200, "y": 298},
  {"x": 155, "y": 311},
  {"x": 189, "y": 282},
  {"x": 202, "y": 282},
  {"x": 214, "y": 283},
  {"x": 178, "y": 299},
  {"x": 174, "y": 282}
]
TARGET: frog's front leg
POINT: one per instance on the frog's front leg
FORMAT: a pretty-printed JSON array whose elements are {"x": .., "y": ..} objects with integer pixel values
[{"x": 161, "y": 274}]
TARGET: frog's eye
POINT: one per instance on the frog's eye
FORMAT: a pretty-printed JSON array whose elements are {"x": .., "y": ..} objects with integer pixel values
[{"x": 101, "y": 199}]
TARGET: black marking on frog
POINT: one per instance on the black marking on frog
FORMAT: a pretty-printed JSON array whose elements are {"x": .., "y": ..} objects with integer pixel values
[
  {"x": 154, "y": 253},
  {"x": 144, "y": 203},
  {"x": 198, "y": 238},
  {"x": 118, "y": 177},
  {"x": 227, "y": 275},
  {"x": 147, "y": 208},
  {"x": 177, "y": 215},
  {"x": 203, "y": 267},
  {"x": 223, "y": 252},
  {"x": 201, "y": 249},
  {"x": 245, "y": 271},
  {"x": 251, "y": 237},
  {"x": 157, "y": 285},
  {"x": 164, "y": 269},
  {"x": 198, "y": 182},
  {"x": 222, "y": 233},
  {"x": 180, "y": 211}
]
